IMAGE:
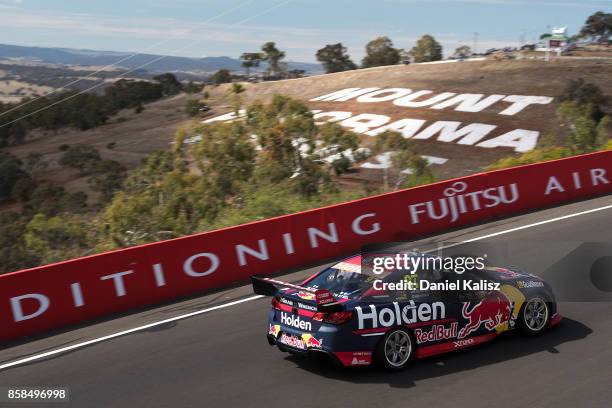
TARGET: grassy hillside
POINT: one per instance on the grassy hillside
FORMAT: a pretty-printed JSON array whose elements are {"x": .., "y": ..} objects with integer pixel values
[
  {"x": 156, "y": 172},
  {"x": 136, "y": 135}
]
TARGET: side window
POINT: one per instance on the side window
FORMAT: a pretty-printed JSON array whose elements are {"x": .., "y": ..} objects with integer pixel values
[
  {"x": 433, "y": 277},
  {"x": 405, "y": 279},
  {"x": 419, "y": 293}
]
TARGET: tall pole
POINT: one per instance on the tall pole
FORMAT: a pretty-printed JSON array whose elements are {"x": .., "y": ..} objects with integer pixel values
[{"x": 547, "y": 57}]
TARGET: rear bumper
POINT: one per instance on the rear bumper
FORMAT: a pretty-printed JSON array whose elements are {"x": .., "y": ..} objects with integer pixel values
[
  {"x": 309, "y": 352},
  {"x": 341, "y": 358},
  {"x": 555, "y": 320}
]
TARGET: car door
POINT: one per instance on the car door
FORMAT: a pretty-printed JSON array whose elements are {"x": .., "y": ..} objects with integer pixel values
[{"x": 426, "y": 312}]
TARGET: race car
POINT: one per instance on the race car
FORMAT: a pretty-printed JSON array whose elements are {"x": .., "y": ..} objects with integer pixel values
[{"x": 360, "y": 318}]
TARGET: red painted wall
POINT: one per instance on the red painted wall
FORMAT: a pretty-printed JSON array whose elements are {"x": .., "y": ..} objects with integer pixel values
[{"x": 85, "y": 288}]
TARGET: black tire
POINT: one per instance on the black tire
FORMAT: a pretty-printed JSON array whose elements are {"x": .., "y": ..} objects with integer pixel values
[
  {"x": 398, "y": 342},
  {"x": 534, "y": 316}
]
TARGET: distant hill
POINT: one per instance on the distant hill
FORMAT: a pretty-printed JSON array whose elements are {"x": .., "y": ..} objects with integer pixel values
[{"x": 68, "y": 56}]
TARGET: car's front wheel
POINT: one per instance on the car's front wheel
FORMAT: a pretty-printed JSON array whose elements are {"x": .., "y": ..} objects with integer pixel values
[
  {"x": 534, "y": 316},
  {"x": 395, "y": 350}
]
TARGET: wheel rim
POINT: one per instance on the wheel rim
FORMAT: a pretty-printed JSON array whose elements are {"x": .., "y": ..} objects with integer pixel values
[
  {"x": 536, "y": 314},
  {"x": 398, "y": 348}
]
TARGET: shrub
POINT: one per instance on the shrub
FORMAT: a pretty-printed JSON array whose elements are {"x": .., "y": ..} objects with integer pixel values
[{"x": 81, "y": 157}]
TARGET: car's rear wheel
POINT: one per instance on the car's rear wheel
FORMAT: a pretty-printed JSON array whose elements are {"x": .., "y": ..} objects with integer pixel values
[
  {"x": 534, "y": 316},
  {"x": 395, "y": 350}
]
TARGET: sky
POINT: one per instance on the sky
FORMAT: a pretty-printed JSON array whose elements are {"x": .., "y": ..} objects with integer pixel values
[{"x": 198, "y": 28}]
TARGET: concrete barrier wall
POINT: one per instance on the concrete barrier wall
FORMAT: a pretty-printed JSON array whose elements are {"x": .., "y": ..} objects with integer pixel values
[{"x": 52, "y": 296}]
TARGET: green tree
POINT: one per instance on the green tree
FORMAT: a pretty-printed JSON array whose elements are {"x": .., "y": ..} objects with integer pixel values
[
  {"x": 81, "y": 157},
  {"x": 582, "y": 111},
  {"x": 228, "y": 177},
  {"x": 13, "y": 253},
  {"x": 336, "y": 140},
  {"x": 380, "y": 52},
  {"x": 604, "y": 134},
  {"x": 427, "y": 49},
  {"x": 598, "y": 24},
  {"x": 237, "y": 88},
  {"x": 463, "y": 51},
  {"x": 273, "y": 56},
  {"x": 408, "y": 169},
  {"x": 587, "y": 96},
  {"x": 222, "y": 76},
  {"x": 251, "y": 60},
  {"x": 11, "y": 176},
  {"x": 169, "y": 84},
  {"x": 108, "y": 178},
  {"x": 193, "y": 87},
  {"x": 166, "y": 198},
  {"x": 335, "y": 58},
  {"x": 286, "y": 135},
  {"x": 56, "y": 238},
  {"x": 533, "y": 156},
  {"x": 195, "y": 106},
  {"x": 35, "y": 163},
  {"x": 52, "y": 200}
]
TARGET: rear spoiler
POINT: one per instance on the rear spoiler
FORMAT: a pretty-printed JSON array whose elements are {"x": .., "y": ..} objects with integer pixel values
[{"x": 271, "y": 287}]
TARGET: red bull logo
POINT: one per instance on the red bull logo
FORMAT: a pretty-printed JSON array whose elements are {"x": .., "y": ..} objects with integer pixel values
[
  {"x": 292, "y": 341},
  {"x": 306, "y": 295},
  {"x": 437, "y": 332},
  {"x": 493, "y": 311},
  {"x": 274, "y": 329},
  {"x": 311, "y": 341},
  {"x": 508, "y": 274}
]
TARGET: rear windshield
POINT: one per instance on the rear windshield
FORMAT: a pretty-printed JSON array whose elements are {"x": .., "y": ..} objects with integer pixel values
[
  {"x": 352, "y": 285},
  {"x": 343, "y": 284}
]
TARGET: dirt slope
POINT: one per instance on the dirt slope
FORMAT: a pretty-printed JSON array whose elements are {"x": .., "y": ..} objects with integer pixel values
[{"x": 526, "y": 77}]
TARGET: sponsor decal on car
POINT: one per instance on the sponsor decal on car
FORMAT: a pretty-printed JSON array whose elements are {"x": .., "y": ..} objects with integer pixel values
[
  {"x": 437, "y": 332},
  {"x": 508, "y": 274},
  {"x": 517, "y": 298},
  {"x": 493, "y": 311},
  {"x": 292, "y": 341},
  {"x": 463, "y": 343},
  {"x": 397, "y": 315},
  {"x": 286, "y": 301},
  {"x": 306, "y": 295},
  {"x": 311, "y": 342},
  {"x": 359, "y": 361},
  {"x": 354, "y": 358},
  {"x": 295, "y": 321},
  {"x": 306, "y": 306},
  {"x": 274, "y": 330},
  {"x": 529, "y": 284}
]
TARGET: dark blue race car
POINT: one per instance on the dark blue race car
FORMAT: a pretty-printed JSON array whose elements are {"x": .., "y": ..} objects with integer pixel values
[{"x": 346, "y": 315}]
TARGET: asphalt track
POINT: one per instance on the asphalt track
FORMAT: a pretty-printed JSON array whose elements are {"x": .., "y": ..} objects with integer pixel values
[{"x": 221, "y": 358}]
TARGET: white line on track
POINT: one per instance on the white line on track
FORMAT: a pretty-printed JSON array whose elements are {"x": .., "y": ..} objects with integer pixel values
[
  {"x": 236, "y": 302},
  {"x": 535, "y": 224},
  {"x": 123, "y": 333}
]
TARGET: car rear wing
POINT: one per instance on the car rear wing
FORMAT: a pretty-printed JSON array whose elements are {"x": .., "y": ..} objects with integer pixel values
[{"x": 271, "y": 287}]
